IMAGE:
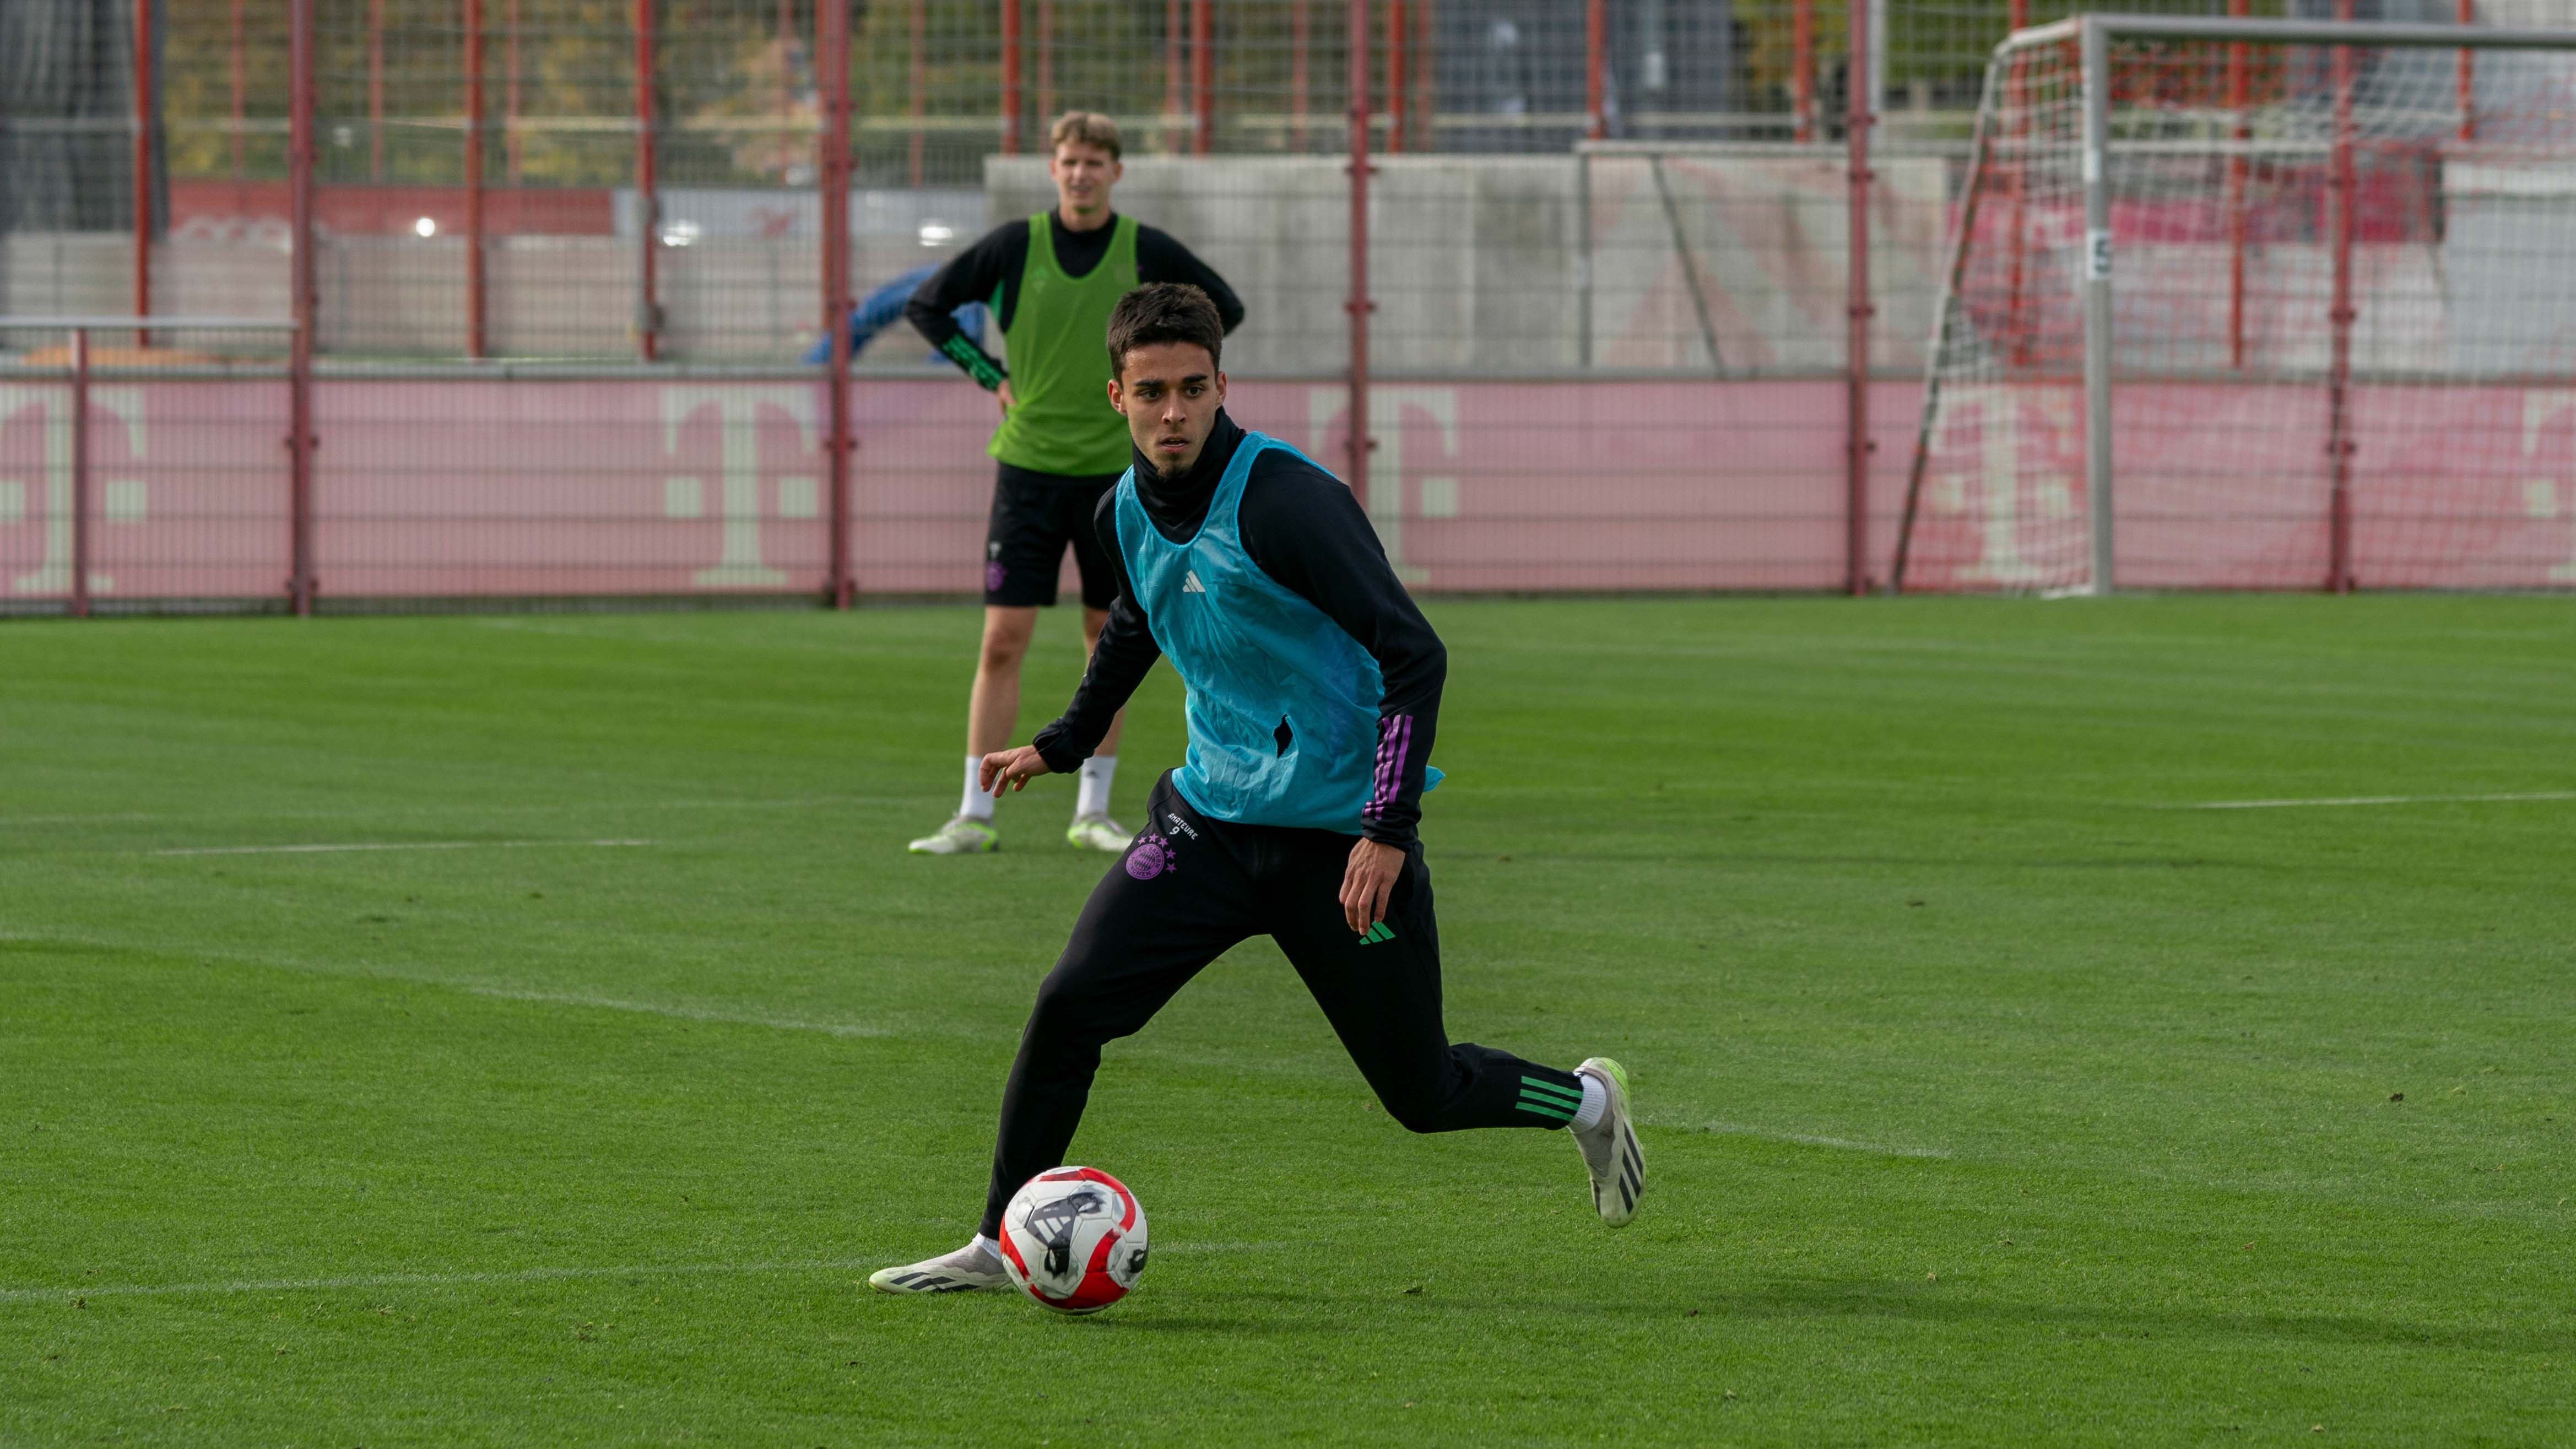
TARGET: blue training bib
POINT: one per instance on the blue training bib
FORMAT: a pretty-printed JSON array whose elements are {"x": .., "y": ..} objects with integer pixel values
[{"x": 1283, "y": 704}]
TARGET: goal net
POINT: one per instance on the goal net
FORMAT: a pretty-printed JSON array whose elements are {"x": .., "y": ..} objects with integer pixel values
[{"x": 2257, "y": 304}]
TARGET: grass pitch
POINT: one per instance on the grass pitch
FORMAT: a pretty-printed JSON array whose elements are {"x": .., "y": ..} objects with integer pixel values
[{"x": 1991, "y": 1096}]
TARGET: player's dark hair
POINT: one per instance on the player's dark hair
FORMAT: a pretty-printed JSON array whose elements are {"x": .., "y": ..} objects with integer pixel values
[{"x": 1164, "y": 312}]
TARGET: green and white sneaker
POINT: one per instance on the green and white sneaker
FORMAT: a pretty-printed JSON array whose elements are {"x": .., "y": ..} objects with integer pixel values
[
  {"x": 1610, "y": 1147},
  {"x": 964, "y": 835},
  {"x": 1097, "y": 832},
  {"x": 970, "y": 1267}
]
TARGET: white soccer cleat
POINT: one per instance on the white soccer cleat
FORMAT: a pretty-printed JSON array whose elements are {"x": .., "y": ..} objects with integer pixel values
[
  {"x": 1610, "y": 1146},
  {"x": 1097, "y": 832},
  {"x": 964, "y": 835},
  {"x": 970, "y": 1267}
]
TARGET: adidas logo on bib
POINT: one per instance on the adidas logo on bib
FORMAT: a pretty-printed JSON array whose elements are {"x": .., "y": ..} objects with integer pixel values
[{"x": 1190, "y": 582}]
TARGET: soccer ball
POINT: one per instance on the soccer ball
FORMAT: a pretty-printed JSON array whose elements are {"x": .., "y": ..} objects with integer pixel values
[{"x": 1074, "y": 1239}]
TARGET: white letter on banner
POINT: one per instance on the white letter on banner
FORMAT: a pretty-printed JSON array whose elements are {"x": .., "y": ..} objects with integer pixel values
[
  {"x": 2541, "y": 492},
  {"x": 740, "y": 564}
]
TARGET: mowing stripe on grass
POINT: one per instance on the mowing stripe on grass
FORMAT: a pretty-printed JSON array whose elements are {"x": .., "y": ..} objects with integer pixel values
[
  {"x": 393, "y": 845},
  {"x": 1802, "y": 1139},
  {"x": 523, "y": 1275},
  {"x": 654, "y": 1008},
  {"x": 2372, "y": 800},
  {"x": 416, "y": 1280}
]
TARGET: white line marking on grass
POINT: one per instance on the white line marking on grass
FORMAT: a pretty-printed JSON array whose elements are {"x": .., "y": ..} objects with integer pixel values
[
  {"x": 470, "y": 812},
  {"x": 488, "y": 991},
  {"x": 420, "y": 1280},
  {"x": 654, "y": 1008},
  {"x": 2373, "y": 800},
  {"x": 393, "y": 845},
  {"x": 1844, "y": 1144}
]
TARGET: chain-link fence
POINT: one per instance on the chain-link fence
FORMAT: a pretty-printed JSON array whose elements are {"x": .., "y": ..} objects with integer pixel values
[{"x": 1637, "y": 304}]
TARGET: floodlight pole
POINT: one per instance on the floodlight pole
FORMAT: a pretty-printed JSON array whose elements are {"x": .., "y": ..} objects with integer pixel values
[{"x": 2096, "y": 49}]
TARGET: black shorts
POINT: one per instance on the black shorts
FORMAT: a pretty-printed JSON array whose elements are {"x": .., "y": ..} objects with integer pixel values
[{"x": 1034, "y": 516}]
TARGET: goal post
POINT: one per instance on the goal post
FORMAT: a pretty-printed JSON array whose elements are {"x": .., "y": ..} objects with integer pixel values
[{"x": 2321, "y": 273}]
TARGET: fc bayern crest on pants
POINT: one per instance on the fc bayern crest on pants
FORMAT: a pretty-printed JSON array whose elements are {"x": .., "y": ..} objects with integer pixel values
[{"x": 1152, "y": 855}]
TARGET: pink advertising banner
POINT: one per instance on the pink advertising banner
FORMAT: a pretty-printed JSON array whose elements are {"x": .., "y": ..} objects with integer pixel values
[{"x": 638, "y": 485}]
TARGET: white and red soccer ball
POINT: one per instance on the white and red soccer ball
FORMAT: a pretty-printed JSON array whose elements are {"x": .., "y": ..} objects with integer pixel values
[{"x": 1074, "y": 1239}]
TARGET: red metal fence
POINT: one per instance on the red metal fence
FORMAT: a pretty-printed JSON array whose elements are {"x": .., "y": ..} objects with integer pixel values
[{"x": 1577, "y": 294}]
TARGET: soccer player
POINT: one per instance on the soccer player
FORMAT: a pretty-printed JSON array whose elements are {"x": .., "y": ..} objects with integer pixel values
[
  {"x": 1314, "y": 697},
  {"x": 1051, "y": 281}
]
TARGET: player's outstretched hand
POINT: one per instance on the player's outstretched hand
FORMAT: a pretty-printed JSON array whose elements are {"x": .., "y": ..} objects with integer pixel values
[
  {"x": 1368, "y": 882},
  {"x": 1011, "y": 770}
]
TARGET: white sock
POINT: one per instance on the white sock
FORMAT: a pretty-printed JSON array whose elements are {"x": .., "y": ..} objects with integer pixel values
[
  {"x": 992, "y": 1248},
  {"x": 1091, "y": 796},
  {"x": 1596, "y": 1100},
  {"x": 978, "y": 804}
]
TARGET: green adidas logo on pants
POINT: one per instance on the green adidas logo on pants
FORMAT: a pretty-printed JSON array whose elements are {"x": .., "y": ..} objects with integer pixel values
[
  {"x": 1376, "y": 933},
  {"x": 1543, "y": 1098}
]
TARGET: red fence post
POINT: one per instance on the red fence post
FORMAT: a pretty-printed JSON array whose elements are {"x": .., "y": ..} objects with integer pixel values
[
  {"x": 1010, "y": 77},
  {"x": 1802, "y": 70},
  {"x": 301, "y": 272},
  {"x": 1046, "y": 62},
  {"x": 2339, "y": 443},
  {"x": 919, "y": 79},
  {"x": 1596, "y": 56},
  {"x": 1426, "y": 76},
  {"x": 474, "y": 338},
  {"x": 143, "y": 113},
  {"x": 1394, "y": 76},
  {"x": 80, "y": 472},
  {"x": 513, "y": 145},
  {"x": 1202, "y": 76},
  {"x": 1296, "y": 75},
  {"x": 648, "y": 196},
  {"x": 1861, "y": 114},
  {"x": 239, "y": 68},
  {"x": 2016, "y": 311},
  {"x": 1164, "y": 139},
  {"x": 2468, "y": 78},
  {"x": 375, "y": 90},
  {"x": 2238, "y": 169},
  {"x": 1359, "y": 306},
  {"x": 834, "y": 21}
]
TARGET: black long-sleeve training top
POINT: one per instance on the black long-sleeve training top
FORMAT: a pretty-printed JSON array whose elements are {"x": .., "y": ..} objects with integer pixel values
[
  {"x": 989, "y": 272},
  {"x": 1306, "y": 531}
]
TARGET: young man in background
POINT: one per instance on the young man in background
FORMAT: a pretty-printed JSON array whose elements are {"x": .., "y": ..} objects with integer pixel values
[{"x": 1051, "y": 281}]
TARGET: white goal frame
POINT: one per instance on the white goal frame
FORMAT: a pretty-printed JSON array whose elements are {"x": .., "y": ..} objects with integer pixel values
[{"x": 2092, "y": 35}]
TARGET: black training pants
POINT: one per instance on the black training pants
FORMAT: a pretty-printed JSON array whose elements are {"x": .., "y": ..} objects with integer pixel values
[{"x": 1190, "y": 887}]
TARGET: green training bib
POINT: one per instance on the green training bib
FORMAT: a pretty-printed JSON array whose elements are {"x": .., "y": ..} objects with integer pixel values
[{"x": 1057, "y": 350}]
